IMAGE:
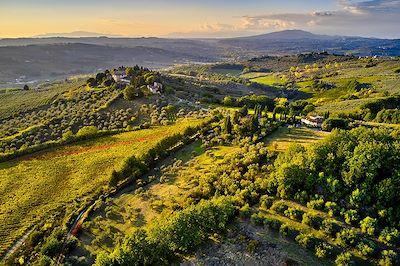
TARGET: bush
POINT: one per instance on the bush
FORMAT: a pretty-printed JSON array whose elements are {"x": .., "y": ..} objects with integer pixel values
[
  {"x": 389, "y": 236},
  {"x": 288, "y": 231},
  {"x": 344, "y": 259},
  {"x": 317, "y": 204},
  {"x": 307, "y": 241},
  {"x": 279, "y": 207},
  {"x": 51, "y": 247},
  {"x": 87, "y": 131},
  {"x": 346, "y": 238},
  {"x": 266, "y": 201},
  {"x": 312, "y": 220},
  {"x": 272, "y": 223},
  {"x": 389, "y": 258},
  {"x": 368, "y": 225},
  {"x": 294, "y": 213},
  {"x": 257, "y": 219},
  {"x": 323, "y": 250},
  {"x": 245, "y": 211},
  {"x": 351, "y": 216},
  {"x": 332, "y": 123},
  {"x": 331, "y": 208},
  {"x": 329, "y": 227},
  {"x": 366, "y": 247}
]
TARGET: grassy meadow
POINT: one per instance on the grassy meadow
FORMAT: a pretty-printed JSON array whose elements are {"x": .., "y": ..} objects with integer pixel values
[
  {"x": 34, "y": 185},
  {"x": 283, "y": 137}
]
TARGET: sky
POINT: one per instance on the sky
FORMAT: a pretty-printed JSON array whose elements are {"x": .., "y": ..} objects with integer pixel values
[{"x": 199, "y": 18}]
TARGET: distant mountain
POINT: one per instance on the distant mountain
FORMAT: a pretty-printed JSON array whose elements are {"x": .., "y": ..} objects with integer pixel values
[
  {"x": 55, "y": 57},
  {"x": 298, "y": 41},
  {"x": 287, "y": 35},
  {"x": 55, "y": 61},
  {"x": 75, "y": 34}
]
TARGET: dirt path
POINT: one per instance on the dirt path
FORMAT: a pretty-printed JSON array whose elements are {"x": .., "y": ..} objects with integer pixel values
[{"x": 17, "y": 244}]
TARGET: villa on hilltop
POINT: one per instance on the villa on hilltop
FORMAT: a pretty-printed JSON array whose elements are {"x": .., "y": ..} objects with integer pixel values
[{"x": 120, "y": 76}]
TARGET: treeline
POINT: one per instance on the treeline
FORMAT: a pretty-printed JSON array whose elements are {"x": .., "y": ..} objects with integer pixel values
[
  {"x": 267, "y": 104},
  {"x": 134, "y": 167},
  {"x": 171, "y": 235},
  {"x": 85, "y": 133}
]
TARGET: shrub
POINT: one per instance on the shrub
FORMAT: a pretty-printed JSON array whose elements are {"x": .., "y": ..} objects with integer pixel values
[
  {"x": 51, "y": 247},
  {"x": 257, "y": 219},
  {"x": 329, "y": 227},
  {"x": 312, "y": 220},
  {"x": 366, "y": 247},
  {"x": 389, "y": 236},
  {"x": 368, "y": 225},
  {"x": 245, "y": 211},
  {"x": 87, "y": 131},
  {"x": 332, "y": 123},
  {"x": 266, "y": 201},
  {"x": 351, "y": 216},
  {"x": 279, "y": 207},
  {"x": 323, "y": 250},
  {"x": 288, "y": 231},
  {"x": 389, "y": 258},
  {"x": 251, "y": 246},
  {"x": 272, "y": 223},
  {"x": 294, "y": 213},
  {"x": 346, "y": 238},
  {"x": 331, "y": 208},
  {"x": 317, "y": 204},
  {"x": 344, "y": 259},
  {"x": 307, "y": 241}
]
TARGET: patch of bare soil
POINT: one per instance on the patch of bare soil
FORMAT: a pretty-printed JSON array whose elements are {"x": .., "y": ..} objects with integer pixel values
[{"x": 241, "y": 246}]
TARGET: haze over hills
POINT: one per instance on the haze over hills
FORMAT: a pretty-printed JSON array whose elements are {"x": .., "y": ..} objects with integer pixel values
[
  {"x": 57, "y": 57},
  {"x": 75, "y": 34}
]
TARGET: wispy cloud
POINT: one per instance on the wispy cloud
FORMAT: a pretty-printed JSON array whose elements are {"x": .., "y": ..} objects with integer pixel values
[{"x": 368, "y": 18}]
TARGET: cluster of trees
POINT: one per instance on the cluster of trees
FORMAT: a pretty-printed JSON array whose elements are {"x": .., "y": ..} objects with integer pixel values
[
  {"x": 250, "y": 101},
  {"x": 171, "y": 235},
  {"x": 387, "y": 108},
  {"x": 355, "y": 169},
  {"x": 352, "y": 176},
  {"x": 140, "y": 78}
]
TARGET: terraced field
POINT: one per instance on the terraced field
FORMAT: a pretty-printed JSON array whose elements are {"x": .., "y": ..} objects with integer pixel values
[{"x": 34, "y": 185}]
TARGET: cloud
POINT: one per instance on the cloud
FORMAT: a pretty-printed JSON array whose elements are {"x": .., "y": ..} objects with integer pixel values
[{"x": 379, "y": 18}]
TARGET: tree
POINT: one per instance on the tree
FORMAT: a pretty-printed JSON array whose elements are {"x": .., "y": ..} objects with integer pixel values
[
  {"x": 130, "y": 93},
  {"x": 331, "y": 123},
  {"x": 368, "y": 225},
  {"x": 91, "y": 82},
  {"x": 228, "y": 125},
  {"x": 229, "y": 101}
]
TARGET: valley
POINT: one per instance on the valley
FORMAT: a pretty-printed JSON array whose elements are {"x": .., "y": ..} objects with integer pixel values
[{"x": 205, "y": 163}]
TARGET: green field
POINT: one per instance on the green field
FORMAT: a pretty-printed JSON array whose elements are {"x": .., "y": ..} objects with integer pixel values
[
  {"x": 271, "y": 80},
  {"x": 36, "y": 184},
  {"x": 281, "y": 139},
  {"x": 15, "y": 101}
]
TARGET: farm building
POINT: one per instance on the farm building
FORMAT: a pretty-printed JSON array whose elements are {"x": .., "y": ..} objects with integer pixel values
[
  {"x": 313, "y": 121},
  {"x": 120, "y": 76},
  {"x": 155, "y": 88}
]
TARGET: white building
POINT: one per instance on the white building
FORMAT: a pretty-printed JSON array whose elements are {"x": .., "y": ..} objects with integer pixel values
[
  {"x": 155, "y": 88},
  {"x": 120, "y": 76},
  {"x": 313, "y": 121}
]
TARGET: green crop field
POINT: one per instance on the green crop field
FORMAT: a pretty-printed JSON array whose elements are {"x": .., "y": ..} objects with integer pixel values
[
  {"x": 271, "y": 80},
  {"x": 33, "y": 185},
  {"x": 14, "y": 101}
]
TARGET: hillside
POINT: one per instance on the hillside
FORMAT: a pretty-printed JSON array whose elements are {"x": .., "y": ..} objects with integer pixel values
[
  {"x": 133, "y": 166},
  {"x": 39, "y": 59}
]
